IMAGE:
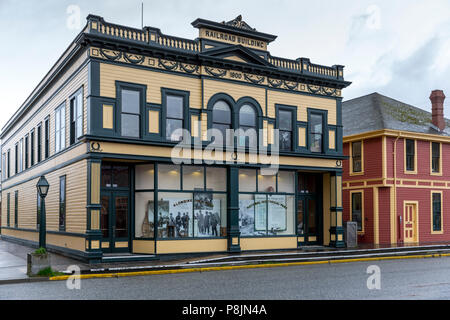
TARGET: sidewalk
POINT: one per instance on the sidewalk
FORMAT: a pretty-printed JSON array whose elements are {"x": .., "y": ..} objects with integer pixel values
[{"x": 13, "y": 260}]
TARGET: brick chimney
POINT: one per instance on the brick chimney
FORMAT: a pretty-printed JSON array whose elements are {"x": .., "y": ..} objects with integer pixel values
[{"x": 437, "y": 98}]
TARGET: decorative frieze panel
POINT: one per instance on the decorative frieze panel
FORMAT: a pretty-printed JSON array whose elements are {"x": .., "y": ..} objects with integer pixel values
[{"x": 219, "y": 73}]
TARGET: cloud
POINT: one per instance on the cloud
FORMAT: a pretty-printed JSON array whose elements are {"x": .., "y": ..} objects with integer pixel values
[{"x": 410, "y": 79}]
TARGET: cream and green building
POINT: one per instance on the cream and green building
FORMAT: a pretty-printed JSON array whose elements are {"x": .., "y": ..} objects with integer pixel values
[{"x": 102, "y": 127}]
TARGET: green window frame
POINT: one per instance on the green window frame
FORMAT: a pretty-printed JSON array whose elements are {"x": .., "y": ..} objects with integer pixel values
[
  {"x": 357, "y": 156},
  {"x": 316, "y": 130},
  {"x": 8, "y": 210},
  {"x": 60, "y": 128},
  {"x": 32, "y": 148},
  {"x": 437, "y": 214},
  {"x": 76, "y": 116},
  {"x": 16, "y": 159},
  {"x": 435, "y": 157},
  {"x": 47, "y": 138},
  {"x": 39, "y": 142},
  {"x": 8, "y": 169},
  {"x": 410, "y": 155},
  {"x": 27, "y": 142},
  {"x": 16, "y": 210},
  {"x": 62, "y": 203},
  {"x": 357, "y": 209}
]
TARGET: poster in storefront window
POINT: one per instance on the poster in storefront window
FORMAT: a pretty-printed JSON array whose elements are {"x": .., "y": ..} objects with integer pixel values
[
  {"x": 277, "y": 213},
  {"x": 260, "y": 212},
  {"x": 206, "y": 215},
  {"x": 166, "y": 228},
  {"x": 147, "y": 227},
  {"x": 181, "y": 211},
  {"x": 247, "y": 217}
]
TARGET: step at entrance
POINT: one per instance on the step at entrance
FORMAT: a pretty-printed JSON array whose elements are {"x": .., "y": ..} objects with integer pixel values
[{"x": 125, "y": 257}]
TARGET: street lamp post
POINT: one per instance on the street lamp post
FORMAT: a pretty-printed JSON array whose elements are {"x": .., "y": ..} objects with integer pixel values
[{"x": 42, "y": 187}]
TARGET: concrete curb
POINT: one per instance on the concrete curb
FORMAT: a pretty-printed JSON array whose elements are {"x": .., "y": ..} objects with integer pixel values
[
  {"x": 24, "y": 280},
  {"x": 237, "y": 267}
]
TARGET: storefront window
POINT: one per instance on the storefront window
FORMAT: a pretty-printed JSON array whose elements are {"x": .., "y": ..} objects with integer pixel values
[
  {"x": 144, "y": 215},
  {"x": 286, "y": 181},
  {"x": 169, "y": 177},
  {"x": 198, "y": 214},
  {"x": 216, "y": 179},
  {"x": 267, "y": 183},
  {"x": 114, "y": 176},
  {"x": 247, "y": 180},
  {"x": 209, "y": 215},
  {"x": 266, "y": 212},
  {"x": 145, "y": 176},
  {"x": 120, "y": 177},
  {"x": 175, "y": 215},
  {"x": 193, "y": 177},
  {"x": 307, "y": 183}
]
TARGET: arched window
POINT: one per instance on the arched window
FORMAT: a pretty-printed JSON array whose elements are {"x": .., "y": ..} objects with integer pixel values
[
  {"x": 247, "y": 123},
  {"x": 221, "y": 120}
]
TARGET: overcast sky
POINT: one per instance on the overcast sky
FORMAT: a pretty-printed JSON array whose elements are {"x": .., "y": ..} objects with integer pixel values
[{"x": 400, "y": 48}]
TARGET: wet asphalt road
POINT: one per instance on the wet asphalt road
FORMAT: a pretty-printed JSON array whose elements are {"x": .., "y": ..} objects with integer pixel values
[{"x": 400, "y": 279}]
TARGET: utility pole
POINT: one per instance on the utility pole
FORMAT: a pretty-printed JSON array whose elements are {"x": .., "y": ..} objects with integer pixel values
[{"x": 142, "y": 15}]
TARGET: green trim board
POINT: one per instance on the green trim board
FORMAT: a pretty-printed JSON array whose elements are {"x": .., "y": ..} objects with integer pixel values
[{"x": 62, "y": 233}]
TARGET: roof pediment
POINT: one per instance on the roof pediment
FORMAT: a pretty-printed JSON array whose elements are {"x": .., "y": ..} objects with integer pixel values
[{"x": 237, "y": 53}]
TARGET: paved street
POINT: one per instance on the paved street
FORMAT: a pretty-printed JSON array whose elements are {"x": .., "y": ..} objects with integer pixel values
[{"x": 400, "y": 279}]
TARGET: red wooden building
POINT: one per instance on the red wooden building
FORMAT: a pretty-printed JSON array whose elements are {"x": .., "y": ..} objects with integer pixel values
[{"x": 396, "y": 181}]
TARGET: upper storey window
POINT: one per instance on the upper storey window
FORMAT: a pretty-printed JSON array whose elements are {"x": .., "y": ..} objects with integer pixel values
[
  {"x": 60, "y": 130},
  {"x": 247, "y": 123},
  {"x": 410, "y": 155},
  {"x": 316, "y": 132},
  {"x": 174, "y": 117},
  {"x": 435, "y": 157},
  {"x": 222, "y": 120},
  {"x": 131, "y": 114},
  {"x": 357, "y": 156},
  {"x": 285, "y": 127},
  {"x": 76, "y": 117}
]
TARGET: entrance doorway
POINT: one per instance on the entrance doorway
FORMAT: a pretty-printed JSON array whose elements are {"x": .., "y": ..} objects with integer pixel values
[
  {"x": 308, "y": 220},
  {"x": 115, "y": 217},
  {"x": 115, "y": 221},
  {"x": 309, "y": 208},
  {"x": 410, "y": 222}
]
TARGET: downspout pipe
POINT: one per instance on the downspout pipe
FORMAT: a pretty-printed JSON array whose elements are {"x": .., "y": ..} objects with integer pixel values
[{"x": 395, "y": 187}]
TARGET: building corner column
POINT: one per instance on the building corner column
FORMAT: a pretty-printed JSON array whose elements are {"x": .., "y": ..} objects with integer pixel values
[
  {"x": 233, "y": 232},
  {"x": 336, "y": 224},
  {"x": 93, "y": 208}
]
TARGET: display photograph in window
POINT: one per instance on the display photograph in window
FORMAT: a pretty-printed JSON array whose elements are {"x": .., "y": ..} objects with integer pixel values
[
  {"x": 206, "y": 215},
  {"x": 175, "y": 215}
]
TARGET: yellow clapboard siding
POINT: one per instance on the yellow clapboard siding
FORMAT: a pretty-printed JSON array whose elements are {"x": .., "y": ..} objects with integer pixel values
[
  {"x": 153, "y": 121},
  {"x": 76, "y": 191},
  {"x": 152, "y": 79},
  {"x": 49, "y": 110},
  {"x": 47, "y": 165},
  {"x": 81, "y": 79},
  {"x": 302, "y": 102},
  {"x": 302, "y": 137},
  {"x": 332, "y": 139},
  {"x": 108, "y": 116}
]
